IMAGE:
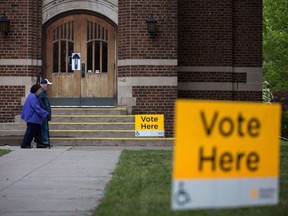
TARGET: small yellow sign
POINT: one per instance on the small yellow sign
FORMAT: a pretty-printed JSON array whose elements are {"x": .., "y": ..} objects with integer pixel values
[
  {"x": 227, "y": 142},
  {"x": 149, "y": 125}
]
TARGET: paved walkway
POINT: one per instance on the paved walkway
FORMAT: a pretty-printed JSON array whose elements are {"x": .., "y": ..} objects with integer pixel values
[{"x": 61, "y": 181}]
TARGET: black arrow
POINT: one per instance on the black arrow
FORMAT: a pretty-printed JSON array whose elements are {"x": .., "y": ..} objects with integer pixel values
[{"x": 76, "y": 57}]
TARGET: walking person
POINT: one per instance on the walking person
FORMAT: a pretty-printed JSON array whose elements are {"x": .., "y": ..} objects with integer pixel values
[
  {"x": 42, "y": 138},
  {"x": 33, "y": 114}
]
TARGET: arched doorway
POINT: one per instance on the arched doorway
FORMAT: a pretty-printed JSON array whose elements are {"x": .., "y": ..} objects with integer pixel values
[{"x": 89, "y": 81}]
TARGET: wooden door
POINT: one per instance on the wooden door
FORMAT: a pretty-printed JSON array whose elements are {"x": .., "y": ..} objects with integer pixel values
[{"x": 93, "y": 82}]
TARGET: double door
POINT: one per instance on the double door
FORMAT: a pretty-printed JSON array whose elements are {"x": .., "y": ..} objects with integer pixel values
[{"x": 79, "y": 59}]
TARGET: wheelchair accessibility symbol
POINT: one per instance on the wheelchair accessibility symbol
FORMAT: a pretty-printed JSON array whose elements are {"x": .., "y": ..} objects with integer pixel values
[{"x": 182, "y": 197}]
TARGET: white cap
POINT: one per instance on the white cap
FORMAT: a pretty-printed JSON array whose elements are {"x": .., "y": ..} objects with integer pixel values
[{"x": 46, "y": 81}]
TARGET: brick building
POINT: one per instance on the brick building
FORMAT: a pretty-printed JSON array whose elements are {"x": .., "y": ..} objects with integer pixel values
[{"x": 202, "y": 49}]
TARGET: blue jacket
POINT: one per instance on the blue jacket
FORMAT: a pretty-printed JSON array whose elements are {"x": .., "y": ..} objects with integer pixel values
[{"x": 32, "y": 112}]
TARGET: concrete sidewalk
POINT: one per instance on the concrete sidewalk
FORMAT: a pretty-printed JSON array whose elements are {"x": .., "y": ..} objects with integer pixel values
[{"x": 61, "y": 181}]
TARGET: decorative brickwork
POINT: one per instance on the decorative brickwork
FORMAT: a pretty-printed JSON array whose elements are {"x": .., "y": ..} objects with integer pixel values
[{"x": 10, "y": 102}]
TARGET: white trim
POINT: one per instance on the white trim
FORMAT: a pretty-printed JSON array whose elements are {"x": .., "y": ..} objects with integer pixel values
[
  {"x": 138, "y": 62},
  {"x": 227, "y": 69},
  {"x": 218, "y": 86},
  {"x": 248, "y": 70},
  {"x": 52, "y": 8},
  {"x": 204, "y": 69},
  {"x": 254, "y": 79},
  {"x": 17, "y": 81},
  {"x": 24, "y": 62},
  {"x": 147, "y": 81}
]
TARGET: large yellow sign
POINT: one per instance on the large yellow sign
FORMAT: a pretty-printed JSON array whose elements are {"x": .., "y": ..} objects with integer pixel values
[{"x": 226, "y": 141}]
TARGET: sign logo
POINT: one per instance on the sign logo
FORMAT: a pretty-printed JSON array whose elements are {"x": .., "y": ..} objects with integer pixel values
[
  {"x": 226, "y": 153},
  {"x": 149, "y": 125},
  {"x": 181, "y": 197}
]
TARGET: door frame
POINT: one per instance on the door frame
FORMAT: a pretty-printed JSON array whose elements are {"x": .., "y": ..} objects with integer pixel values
[{"x": 78, "y": 102}]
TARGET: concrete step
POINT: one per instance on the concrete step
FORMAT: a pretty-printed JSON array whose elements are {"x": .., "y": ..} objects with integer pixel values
[
  {"x": 14, "y": 132},
  {"x": 74, "y": 129},
  {"x": 88, "y": 141},
  {"x": 93, "y": 118},
  {"x": 86, "y": 126},
  {"x": 116, "y": 141},
  {"x": 6, "y": 127},
  {"x": 93, "y": 133},
  {"x": 91, "y": 125},
  {"x": 12, "y": 126},
  {"x": 83, "y": 111},
  {"x": 77, "y": 133},
  {"x": 14, "y": 140},
  {"x": 89, "y": 111}
]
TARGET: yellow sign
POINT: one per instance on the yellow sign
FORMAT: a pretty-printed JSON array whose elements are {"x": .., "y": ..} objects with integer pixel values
[
  {"x": 149, "y": 125},
  {"x": 226, "y": 140}
]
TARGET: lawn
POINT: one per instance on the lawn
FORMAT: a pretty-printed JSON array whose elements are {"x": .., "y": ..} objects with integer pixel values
[
  {"x": 4, "y": 151},
  {"x": 141, "y": 186}
]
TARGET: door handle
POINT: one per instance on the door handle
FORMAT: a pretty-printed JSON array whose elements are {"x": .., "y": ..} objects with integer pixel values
[{"x": 83, "y": 69}]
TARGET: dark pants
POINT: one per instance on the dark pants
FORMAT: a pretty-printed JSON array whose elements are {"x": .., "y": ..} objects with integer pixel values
[
  {"x": 43, "y": 135},
  {"x": 31, "y": 132}
]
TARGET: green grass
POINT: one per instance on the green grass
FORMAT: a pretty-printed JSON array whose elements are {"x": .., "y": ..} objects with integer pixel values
[
  {"x": 141, "y": 186},
  {"x": 4, "y": 151},
  {"x": 283, "y": 143}
]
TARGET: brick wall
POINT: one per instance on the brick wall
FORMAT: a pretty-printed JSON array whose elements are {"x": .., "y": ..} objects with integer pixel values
[
  {"x": 10, "y": 102},
  {"x": 211, "y": 33},
  {"x": 157, "y": 99},
  {"x": 220, "y": 33},
  {"x": 214, "y": 33},
  {"x": 205, "y": 32},
  {"x": 247, "y": 32},
  {"x": 212, "y": 77},
  {"x": 22, "y": 42},
  {"x": 147, "y": 71},
  {"x": 24, "y": 39},
  {"x": 134, "y": 43},
  {"x": 221, "y": 95}
]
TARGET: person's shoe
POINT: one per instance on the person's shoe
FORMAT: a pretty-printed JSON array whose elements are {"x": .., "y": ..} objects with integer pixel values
[
  {"x": 26, "y": 147},
  {"x": 41, "y": 146},
  {"x": 37, "y": 141}
]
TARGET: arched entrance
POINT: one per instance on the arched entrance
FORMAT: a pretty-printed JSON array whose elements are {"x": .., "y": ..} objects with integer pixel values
[{"x": 90, "y": 81}]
